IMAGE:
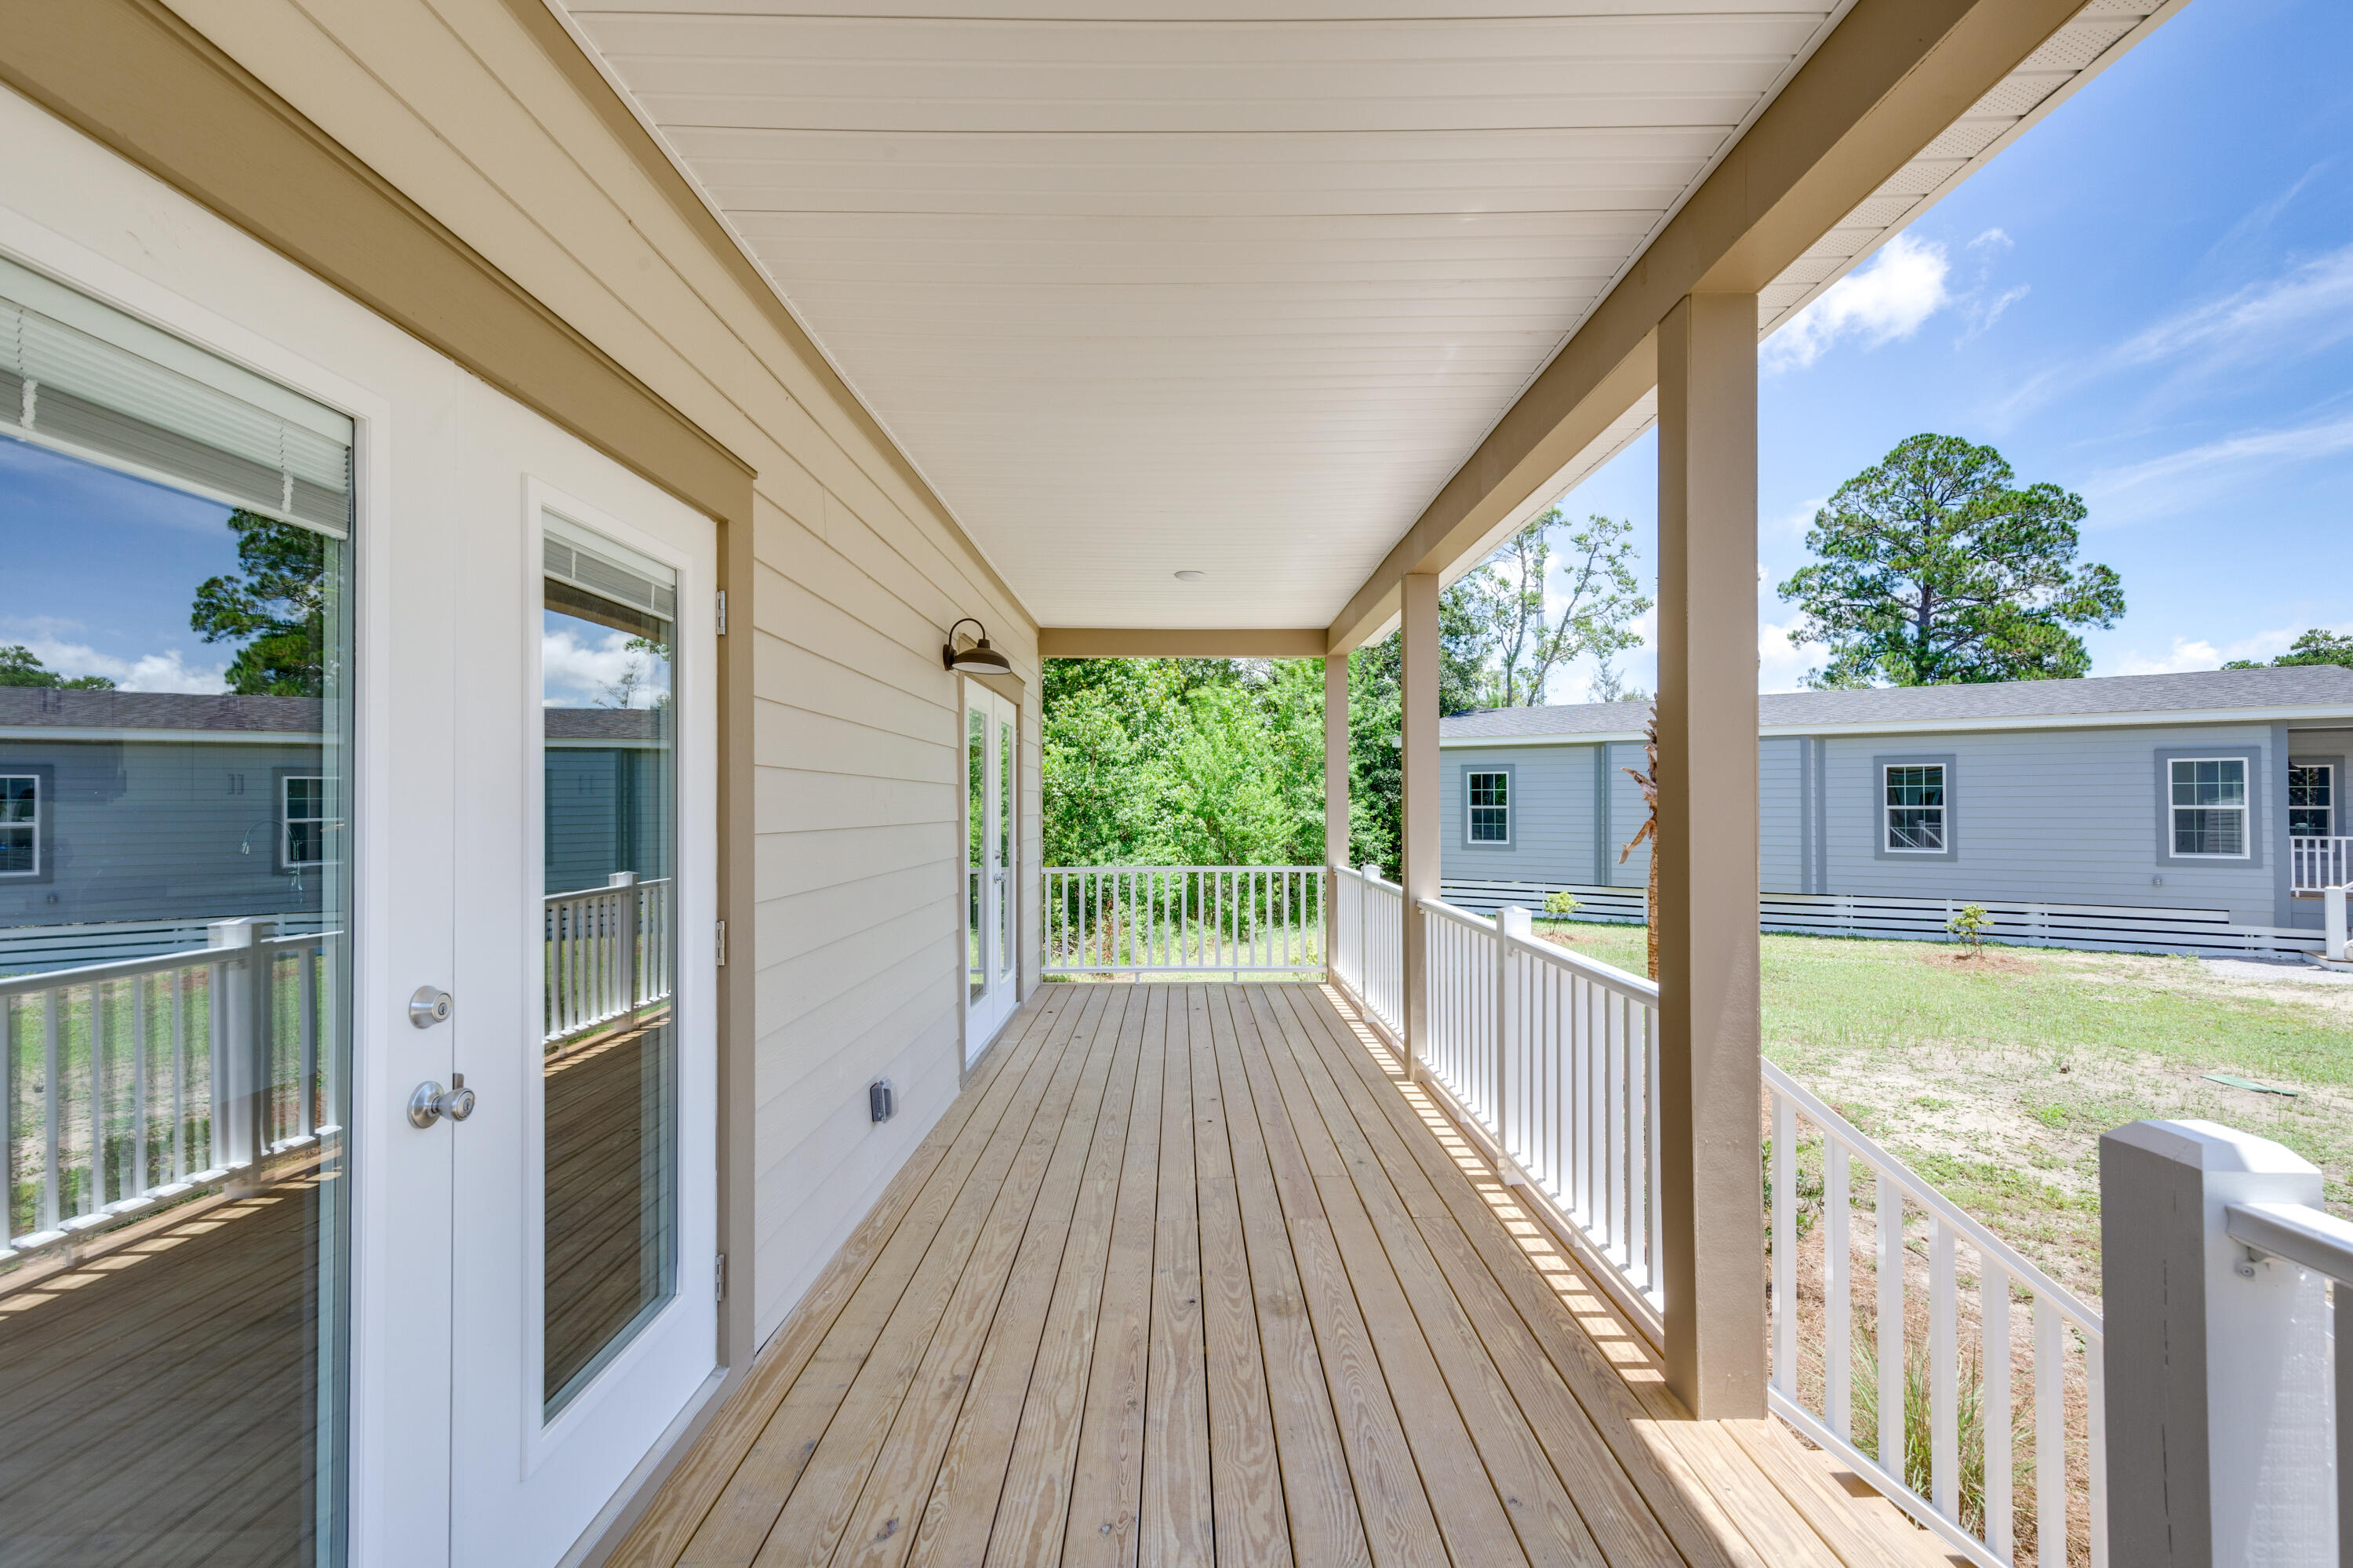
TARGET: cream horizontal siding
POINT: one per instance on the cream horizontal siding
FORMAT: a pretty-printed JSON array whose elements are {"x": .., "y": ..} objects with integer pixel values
[{"x": 856, "y": 748}]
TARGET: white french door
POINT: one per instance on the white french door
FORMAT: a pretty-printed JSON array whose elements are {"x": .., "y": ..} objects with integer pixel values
[{"x": 992, "y": 896}]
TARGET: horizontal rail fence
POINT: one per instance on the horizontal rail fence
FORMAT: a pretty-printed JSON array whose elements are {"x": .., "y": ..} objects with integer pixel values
[
  {"x": 608, "y": 953},
  {"x": 1371, "y": 958},
  {"x": 1603, "y": 905},
  {"x": 130, "y": 1082},
  {"x": 2315, "y": 863},
  {"x": 1184, "y": 920},
  {"x": 1923, "y": 1393},
  {"x": 2089, "y": 926},
  {"x": 1555, "y": 1056}
]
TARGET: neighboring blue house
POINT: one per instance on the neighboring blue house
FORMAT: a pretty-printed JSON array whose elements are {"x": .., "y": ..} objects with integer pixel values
[
  {"x": 129, "y": 819},
  {"x": 2096, "y": 812}
]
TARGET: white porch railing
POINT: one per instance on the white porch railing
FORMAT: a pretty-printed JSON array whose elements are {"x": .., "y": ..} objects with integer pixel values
[
  {"x": 608, "y": 953},
  {"x": 134, "y": 1081},
  {"x": 1369, "y": 956},
  {"x": 1970, "y": 1360},
  {"x": 1553, "y": 1058},
  {"x": 2315, "y": 863},
  {"x": 1184, "y": 920}
]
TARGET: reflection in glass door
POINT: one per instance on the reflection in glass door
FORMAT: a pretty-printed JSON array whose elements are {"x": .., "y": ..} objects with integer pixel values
[
  {"x": 609, "y": 1056},
  {"x": 992, "y": 950},
  {"x": 175, "y": 920}
]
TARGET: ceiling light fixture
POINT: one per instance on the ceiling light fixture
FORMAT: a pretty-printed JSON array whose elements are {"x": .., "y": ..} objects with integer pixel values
[
  {"x": 1189, "y": 576},
  {"x": 979, "y": 656}
]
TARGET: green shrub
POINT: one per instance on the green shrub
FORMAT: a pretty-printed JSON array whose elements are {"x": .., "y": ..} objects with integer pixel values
[{"x": 1561, "y": 904}]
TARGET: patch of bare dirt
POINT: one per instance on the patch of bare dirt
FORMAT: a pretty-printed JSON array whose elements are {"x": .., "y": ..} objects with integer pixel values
[{"x": 1990, "y": 960}]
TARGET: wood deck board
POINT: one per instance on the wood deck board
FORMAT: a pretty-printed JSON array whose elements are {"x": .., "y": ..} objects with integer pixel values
[{"x": 1191, "y": 1276}]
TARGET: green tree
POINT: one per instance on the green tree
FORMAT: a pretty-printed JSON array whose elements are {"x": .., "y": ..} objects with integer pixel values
[
  {"x": 1505, "y": 595},
  {"x": 275, "y": 603},
  {"x": 1934, "y": 568},
  {"x": 19, "y": 667},
  {"x": 2318, "y": 646}
]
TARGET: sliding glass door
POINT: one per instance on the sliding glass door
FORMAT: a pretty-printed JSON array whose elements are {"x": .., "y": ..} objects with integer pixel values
[{"x": 992, "y": 944}]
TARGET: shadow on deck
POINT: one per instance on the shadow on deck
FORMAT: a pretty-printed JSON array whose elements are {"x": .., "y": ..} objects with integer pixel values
[{"x": 1188, "y": 1274}]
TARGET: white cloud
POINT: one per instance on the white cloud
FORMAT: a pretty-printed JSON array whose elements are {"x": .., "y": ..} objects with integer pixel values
[
  {"x": 1993, "y": 240},
  {"x": 1901, "y": 288},
  {"x": 2197, "y": 654},
  {"x": 578, "y": 673},
  {"x": 2306, "y": 309},
  {"x": 2181, "y": 473},
  {"x": 1984, "y": 313},
  {"x": 166, "y": 671},
  {"x": 1781, "y": 664}
]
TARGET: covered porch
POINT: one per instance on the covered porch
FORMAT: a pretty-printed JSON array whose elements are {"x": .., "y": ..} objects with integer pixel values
[{"x": 1196, "y": 1273}]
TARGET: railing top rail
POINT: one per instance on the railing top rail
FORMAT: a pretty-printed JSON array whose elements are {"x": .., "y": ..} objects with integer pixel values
[
  {"x": 1352, "y": 874},
  {"x": 604, "y": 889},
  {"x": 1630, "y": 985},
  {"x": 160, "y": 963},
  {"x": 1928, "y": 1197},
  {"x": 1067, "y": 870},
  {"x": 2304, "y": 1235}
]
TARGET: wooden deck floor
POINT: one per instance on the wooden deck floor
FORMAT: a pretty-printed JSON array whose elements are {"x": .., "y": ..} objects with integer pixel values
[{"x": 1188, "y": 1275}]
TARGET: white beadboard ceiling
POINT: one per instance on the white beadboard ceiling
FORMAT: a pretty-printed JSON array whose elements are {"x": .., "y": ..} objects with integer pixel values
[{"x": 1228, "y": 288}]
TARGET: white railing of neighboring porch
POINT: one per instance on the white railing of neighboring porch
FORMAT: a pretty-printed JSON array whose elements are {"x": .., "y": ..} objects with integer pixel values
[
  {"x": 1552, "y": 1058},
  {"x": 1368, "y": 957},
  {"x": 608, "y": 953},
  {"x": 2315, "y": 863},
  {"x": 132, "y": 1082},
  {"x": 1184, "y": 920}
]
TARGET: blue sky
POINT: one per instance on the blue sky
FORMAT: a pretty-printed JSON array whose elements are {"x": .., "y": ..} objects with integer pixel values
[{"x": 2148, "y": 299}]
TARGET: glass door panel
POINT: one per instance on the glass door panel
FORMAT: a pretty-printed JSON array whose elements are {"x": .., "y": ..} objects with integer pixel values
[
  {"x": 175, "y": 921},
  {"x": 608, "y": 1056},
  {"x": 990, "y": 828}
]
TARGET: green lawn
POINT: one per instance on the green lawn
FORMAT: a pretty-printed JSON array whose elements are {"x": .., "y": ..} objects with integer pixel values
[{"x": 1994, "y": 1078}]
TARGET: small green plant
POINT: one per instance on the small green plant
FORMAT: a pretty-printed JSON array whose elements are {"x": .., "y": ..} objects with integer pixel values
[
  {"x": 1807, "y": 1196},
  {"x": 1970, "y": 925},
  {"x": 1918, "y": 1431},
  {"x": 1561, "y": 904}
]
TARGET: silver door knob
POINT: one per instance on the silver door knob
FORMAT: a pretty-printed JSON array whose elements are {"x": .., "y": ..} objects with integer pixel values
[
  {"x": 429, "y": 1007},
  {"x": 431, "y": 1102}
]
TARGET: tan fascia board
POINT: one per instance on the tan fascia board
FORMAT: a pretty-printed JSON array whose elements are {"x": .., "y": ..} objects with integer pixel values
[
  {"x": 1888, "y": 80},
  {"x": 560, "y": 40},
  {"x": 2304, "y": 718},
  {"x": 1179, "y": 643}
]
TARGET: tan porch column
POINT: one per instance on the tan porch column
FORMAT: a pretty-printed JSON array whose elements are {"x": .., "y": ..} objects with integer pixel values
[
  {"x": 1418, "y": 825},
  {"x": 1712, "y": 1185},
  {"x": 1335, "y": 792}
]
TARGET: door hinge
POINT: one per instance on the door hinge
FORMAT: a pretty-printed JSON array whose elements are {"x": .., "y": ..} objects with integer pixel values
[
  {"x": 722, "y": 612},
  {"x": 719, "y": 941},
  {"x": 719, "y": 1277}
]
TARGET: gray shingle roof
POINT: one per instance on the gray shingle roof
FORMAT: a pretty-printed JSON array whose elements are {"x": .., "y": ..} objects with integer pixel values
[
  {"x": 37, "y": 707},
  {"x": 2298, "y": 686}
]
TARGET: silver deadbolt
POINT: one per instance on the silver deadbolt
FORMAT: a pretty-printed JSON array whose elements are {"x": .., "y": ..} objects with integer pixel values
[
  {"x": 431, "y": 1102},
  {"x": 429, "y": 1007}
]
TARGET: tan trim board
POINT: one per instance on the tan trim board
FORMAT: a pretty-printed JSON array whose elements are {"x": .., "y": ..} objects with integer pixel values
[
  {"x": 135, "y": 78},
  {"x": 1885, "y": 84},
  {"x": 1130, "y": 643}
]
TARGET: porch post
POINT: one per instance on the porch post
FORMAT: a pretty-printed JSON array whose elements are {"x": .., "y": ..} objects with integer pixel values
[
  {"x": 1712, "y": 1184},
  {"x": 1335, "y": 797},
  {"x": 1418, "y": 824}
]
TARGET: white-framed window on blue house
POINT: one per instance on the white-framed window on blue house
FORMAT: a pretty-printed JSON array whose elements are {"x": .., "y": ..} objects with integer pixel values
[
  {"x": 2209, "y": 807},
  {"x": 20, "y": 824},
  {"x": 1914, "y": 808},
  {"x": 2312, "y": 801},
  {"x": 1487, "y": 807},
  {"x": 302, "y": 821}
]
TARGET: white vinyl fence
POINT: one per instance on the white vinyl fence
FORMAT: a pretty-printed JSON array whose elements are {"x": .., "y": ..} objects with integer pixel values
[
  {"x": 133, "y": 1081},
  {"x": 1554, "y": 1059},
  {"x": 608, "y": 953},
  {"x": 1966, "y": 1356},
  {"x": 1369, "y": 955},
  {"x": 1184, "y": 920}
]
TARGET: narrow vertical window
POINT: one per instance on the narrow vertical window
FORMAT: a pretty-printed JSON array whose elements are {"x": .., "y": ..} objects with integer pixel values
[
  {"x": 2312, "y": 801},
  {"x": 608, "y": 1053},
  {"x": 302, "y": 815},
  {"x": 2210, "y": 806},
  {"x": 1915, "y": 809},
  {"x": 20, "y": 824},
  {"x": 1488, "y": 798}
]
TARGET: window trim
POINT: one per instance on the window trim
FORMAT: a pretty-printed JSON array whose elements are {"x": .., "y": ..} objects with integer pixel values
[
  {"x": 286, "y": 861},
  {"x": 1511, "y": 808},
  {"x": 1950, "y": 763},
  {"x": 2335, "y": 766},
  {"x": 2259, "y": 786},
  {"x": 44, "y": 824}
]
